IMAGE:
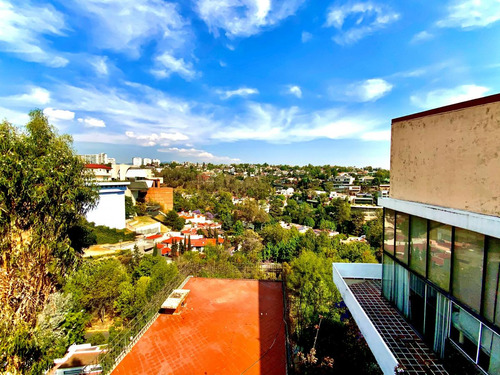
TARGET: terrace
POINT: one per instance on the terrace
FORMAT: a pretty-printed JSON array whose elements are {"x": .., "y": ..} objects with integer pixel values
[{"x": 393, "y": 341}]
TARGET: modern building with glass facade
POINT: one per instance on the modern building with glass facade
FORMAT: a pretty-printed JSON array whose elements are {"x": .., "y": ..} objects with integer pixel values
[{"x": 441, "y": 258}]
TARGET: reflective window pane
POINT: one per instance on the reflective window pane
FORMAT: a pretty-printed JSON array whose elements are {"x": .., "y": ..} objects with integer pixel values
[
  {"x": 439, "y": 254},
  {"x": 468, "y": 267},
  {"x": 464, "y": 331},
  {"x": 492, "y": 282},
  {"x": 388, "y": 277},
  {"x": 489, "y": 355},
  {"x": 418, "y": 244},
  {"x": 389, "y": 219},
  {"x": 402, "y": 231}
]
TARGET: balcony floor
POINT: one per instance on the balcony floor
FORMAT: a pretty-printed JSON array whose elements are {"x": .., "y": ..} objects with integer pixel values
[{"x": 408, "y": 348}]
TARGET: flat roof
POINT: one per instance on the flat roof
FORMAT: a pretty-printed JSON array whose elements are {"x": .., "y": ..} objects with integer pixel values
[
  {"x": 451, "y": 107},
  {"x": 225, "y": 327}
]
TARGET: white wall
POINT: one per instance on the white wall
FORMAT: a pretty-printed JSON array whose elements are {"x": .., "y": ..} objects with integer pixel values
[{"x": 110, "y": 210}]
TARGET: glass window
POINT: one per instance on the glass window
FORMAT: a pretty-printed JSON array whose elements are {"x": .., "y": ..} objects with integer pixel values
[
  {"x": 401, "y": 288},
  {"x": 468, "y": 267},
  {"x": 389, "y": 219},
  {"x": 417, "y": 302},
  {"x": 465, "y": 331},
  {"x": 491, "y": 300},
  {"x": 402, "y": 231},
  {"x": 418, "y": 245},
  {"x": 388, "y": 277},
  {"x": 439, "y": 254},
  {"x": 489, "y": 355}
]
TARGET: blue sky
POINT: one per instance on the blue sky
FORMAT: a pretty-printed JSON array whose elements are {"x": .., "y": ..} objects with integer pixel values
[{"x": 292, "y": 82}]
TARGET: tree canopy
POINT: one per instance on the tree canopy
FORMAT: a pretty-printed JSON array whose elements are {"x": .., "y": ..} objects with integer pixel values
[{"x": 44, "y": 192}]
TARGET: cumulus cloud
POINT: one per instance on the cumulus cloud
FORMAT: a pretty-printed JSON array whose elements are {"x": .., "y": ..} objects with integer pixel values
[
  {"x": 441, "y": 97},
  {"x": 36, "y": 96},
  {"x": 306, "y": 37},
  {"x": 243, "y": 18},
  {"x": 91, "y": 122},
  {"x": 201, "y": 155},
  {"x": 22, "y": 30},
  {"x": 58, "y": 114},
  {"x": 368, "y": 91},
  {"x": 369, "y": 17},
  {"x": 468, "y": 14},
  {"x": 295, "y": 90},
  {"x": 168, "y": 64},
  {"x": 242, "y": 91}
]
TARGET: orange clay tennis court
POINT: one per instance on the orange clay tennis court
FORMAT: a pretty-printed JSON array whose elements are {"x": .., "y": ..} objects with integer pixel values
[{"x": 225, "y": 327}]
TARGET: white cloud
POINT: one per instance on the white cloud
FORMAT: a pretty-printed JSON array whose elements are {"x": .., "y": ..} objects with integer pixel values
[
  {"x": 368, "y": 91},
  {"x": 471, "y": 13},
  {"x": 100, "y": 65},
  {"x": 422, "y": 37},
  {"x": 377, "y": 135},
  {"x": 242, "y": 91},
  {"x": 153, "y": 139},
  {"x": 243, "y": 18},
  {"x": 22, "y": 30},
  {"x": 91, "y": 122},
  {"x": 295, "y": 90},
  {"x": 370, "y": 17},
  {"x": 268, "y": 123},
  {"x": 14, "y": 117},
  {"x": 192, "y": 153},
  {"x": 58, "y": 114},
  {"x": 306, "y": 37},
  {"x": 127, "y": 25},
  {"x": 441, "y": 97},
  {"x": 168, "y": 64},
  {"x": 36, "y": 96},
  {"x": 222, "y": 64}
]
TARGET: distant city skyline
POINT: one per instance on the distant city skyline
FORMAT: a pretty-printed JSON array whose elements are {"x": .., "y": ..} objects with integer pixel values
[{"x": 256, "y": 81}]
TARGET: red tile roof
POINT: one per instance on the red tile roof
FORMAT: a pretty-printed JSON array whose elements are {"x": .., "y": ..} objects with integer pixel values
[
  {"x": 226, "y": 327},
  {"x": 171, "y": 239},
  {"x": 97, "y": 166},
  {"x": 154, "y": 236}
]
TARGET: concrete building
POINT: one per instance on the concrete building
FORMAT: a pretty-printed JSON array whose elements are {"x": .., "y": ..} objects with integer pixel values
[
  {"x": 441, "y": 258},
  {"x": 146, "y": 161},
  {"x": 156, "y": 162},
  {"x": 136, "y": 161},
  {"x": 101, "y": 158},
  {"x": 101, "y": 172},
  {"x": 110, "y": 209}
]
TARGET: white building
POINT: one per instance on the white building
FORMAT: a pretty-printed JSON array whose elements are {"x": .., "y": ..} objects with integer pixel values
[
  {"x": 136, "y": 161},
  {"x": 156, "y": 162},
  {"x": 101, "y": 158},
  {"x": 110, "y": 209},
  {"x": 146, "y": 161}
]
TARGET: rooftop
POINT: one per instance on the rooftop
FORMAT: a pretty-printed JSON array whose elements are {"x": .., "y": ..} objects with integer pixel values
[{"x": 224, "y": 327}]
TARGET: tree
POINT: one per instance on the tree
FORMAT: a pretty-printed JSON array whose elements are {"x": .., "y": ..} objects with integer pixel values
[
  {"x": 276, "y": 207},
  {"x": 341, "y": 210},
  {"x": 174, "y": 221},
  {"x": 129, "y": 207},
  {"x": 309, "y": 222},
  {"x": 238, "y": 228},
  {"x": 44, "y": 191}
]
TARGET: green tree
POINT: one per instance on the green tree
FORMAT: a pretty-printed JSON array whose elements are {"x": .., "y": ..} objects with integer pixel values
[
  {"x": 129, "y": 207},
  {"x": 44, "y": 191},
  {"x": 174, "y": 221}
]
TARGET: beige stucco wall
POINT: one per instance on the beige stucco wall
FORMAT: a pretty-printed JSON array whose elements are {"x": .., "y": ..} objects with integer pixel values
[{"x": 449, "y": 159}]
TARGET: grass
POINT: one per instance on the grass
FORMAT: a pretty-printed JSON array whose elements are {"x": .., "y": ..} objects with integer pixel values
[{"x": 109, "y": 235}]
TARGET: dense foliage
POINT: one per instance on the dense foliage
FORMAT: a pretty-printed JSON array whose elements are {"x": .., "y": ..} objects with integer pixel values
[{"x": 43, "y": 194}]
